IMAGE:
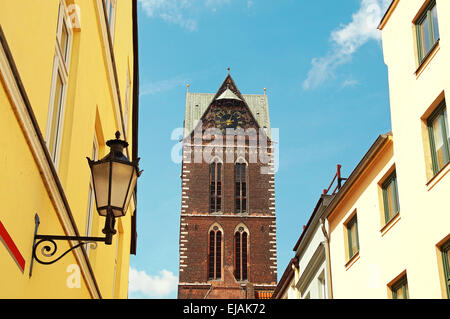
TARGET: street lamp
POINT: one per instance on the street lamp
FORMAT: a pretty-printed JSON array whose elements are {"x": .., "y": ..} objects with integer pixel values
[{"x": 114, "y": 178}]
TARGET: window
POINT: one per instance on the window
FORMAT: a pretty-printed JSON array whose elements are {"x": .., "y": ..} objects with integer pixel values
[
  {"x": 400, "y": 289},
  {"x": 240, "y": 254},
  {"x": 439, "y": 135},
  {"x": 110, "y": 7},
  {"x": 64, "y": 41},
  {"x": 56, "y": 118},
  {"x": 445, "y": 249},
  {"x": 91, "y": 200},
  {"x": 215, "y": 254},
  {"x": 427, "y": 30},
  {"x": 61, "y": 66},
  {"x": 352, "y": 235},
  {"x": 126, "y": 108},
  {"x": 241, "y": 187},
  {"x": 390, "y": 197},
  {"x": 215, "y": 187}
]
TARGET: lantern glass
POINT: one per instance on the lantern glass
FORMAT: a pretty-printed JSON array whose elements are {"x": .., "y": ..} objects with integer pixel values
[
  {"x": 100, "y": 176},
  {"x": 121, "y": 177},
  {"x": 130, "y": 190}
]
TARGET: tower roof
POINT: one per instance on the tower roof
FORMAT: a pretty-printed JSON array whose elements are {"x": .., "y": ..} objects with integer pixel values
[{"x": 198, "y": 103}]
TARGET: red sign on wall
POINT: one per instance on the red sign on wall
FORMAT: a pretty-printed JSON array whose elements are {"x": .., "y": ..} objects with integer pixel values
[{"x": 12, "y": 248}]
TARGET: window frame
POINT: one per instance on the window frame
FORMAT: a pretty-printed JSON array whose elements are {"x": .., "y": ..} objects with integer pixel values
[
  {"x": 126, "y": 105},
  {"x": 239, "y": 260},
  {"x": 445, "y": 252},
  {"x": 213, "y": 233},
  {"x": 61, "y": 67},
  {"x": 426, "y": 15},
  {"x": 91, "y": 194},
  {"x": 243, "y": 185},
  {"x": 401, "y": 283},
  {"x": 110, "y": 15},
  {"x": 384, "y": 186},
  {"x": 218, "y": 184},
  {"x": 348, "y": 226},
  {"x": 440, "y": 111},
  {"x": 64, "y": 20}
]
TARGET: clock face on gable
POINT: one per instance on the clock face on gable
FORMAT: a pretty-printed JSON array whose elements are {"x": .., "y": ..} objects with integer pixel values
[{"x": 229, "y": 119}]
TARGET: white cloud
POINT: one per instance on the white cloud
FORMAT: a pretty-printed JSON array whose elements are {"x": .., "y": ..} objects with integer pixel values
[
  {"x": 349, "y": 83},
  {"x": 152, "y": 286},
  {"x": 183, "y": 12},
  {"x": 214, "y": 4},
  {"x": 163, "y": 85},
  {"x": 346, "y": 40},
  {"x": 179, "y": 12},
  {"x": 171, "y": 11}
]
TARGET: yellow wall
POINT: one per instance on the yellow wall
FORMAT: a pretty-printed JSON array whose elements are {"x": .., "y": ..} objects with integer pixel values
[
  {"x": 424, "y": 203},
  {"x": 381, "y": 252},
  {"x": 91, "y": 107},
  {"x": 409, "y": 244}
]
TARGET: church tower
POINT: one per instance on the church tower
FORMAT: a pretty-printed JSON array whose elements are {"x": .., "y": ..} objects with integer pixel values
[{"x": 228, "y": 223}]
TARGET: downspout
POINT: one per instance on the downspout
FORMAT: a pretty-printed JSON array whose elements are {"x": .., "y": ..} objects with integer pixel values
[
  {"x": 296, "y": 269},
  {"x": 327, "y": 257}
]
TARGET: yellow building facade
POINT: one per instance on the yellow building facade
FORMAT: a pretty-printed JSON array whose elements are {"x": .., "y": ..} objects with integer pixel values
[
  {"x": 418, "y": 65},
  {"x": 68, "y": 82},
  {"x": 387, "y": 229},
  {"x": 390, "y": 232}
]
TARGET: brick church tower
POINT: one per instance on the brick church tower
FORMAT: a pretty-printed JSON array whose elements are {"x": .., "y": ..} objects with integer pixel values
[{"x": 227, "y": 224}]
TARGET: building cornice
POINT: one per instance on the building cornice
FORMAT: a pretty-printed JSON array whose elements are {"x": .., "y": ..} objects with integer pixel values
[
  {"x": 388, "y": 14},
  {"x": 239, "y": 216},
  {"x": 135, "y": 120},
  {"x": 374, "y": 151},
  {"x": 312, "y": 222}
]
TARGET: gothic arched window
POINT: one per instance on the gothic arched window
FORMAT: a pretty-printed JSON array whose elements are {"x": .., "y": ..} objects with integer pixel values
[
  {"x": 215, "y": 254},
  {"x": 240, "y": 179},
  {"x": 215, "y": 178},
  {"x": 240, "y": 254}
]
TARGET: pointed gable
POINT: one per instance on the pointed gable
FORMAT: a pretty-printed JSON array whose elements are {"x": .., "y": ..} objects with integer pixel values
[
  {"x": 197, "y": 105},
  {"x": 228, "y": 95}
]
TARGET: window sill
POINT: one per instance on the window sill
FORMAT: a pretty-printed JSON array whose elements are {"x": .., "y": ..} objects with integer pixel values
[
  {"x": 438, "y": 177},
  {"x": 241, "y": 214},
  {"x": 352, "y": 261},
  {"x": 427, "y": 59},
  {"x": 390, "y": 224}
]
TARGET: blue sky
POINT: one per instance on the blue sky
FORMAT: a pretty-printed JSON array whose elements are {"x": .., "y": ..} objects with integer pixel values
[{"x": 322, "y": 64}]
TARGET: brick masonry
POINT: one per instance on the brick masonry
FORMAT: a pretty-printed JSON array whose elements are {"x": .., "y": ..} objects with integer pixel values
[{"x": 196, "y": 221}]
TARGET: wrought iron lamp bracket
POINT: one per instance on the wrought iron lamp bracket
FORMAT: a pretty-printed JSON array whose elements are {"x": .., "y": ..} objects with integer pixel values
[{"x": 49, "y": 250}]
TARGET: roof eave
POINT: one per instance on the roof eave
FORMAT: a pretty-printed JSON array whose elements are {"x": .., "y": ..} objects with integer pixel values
[
  {"x": 135, "y": 118},
  {"x": 317, "y": 213},
  {"x": 371, "y": 154},
  {"x": 285, "y": 278},
  {"x": 387, "y": 14}
]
